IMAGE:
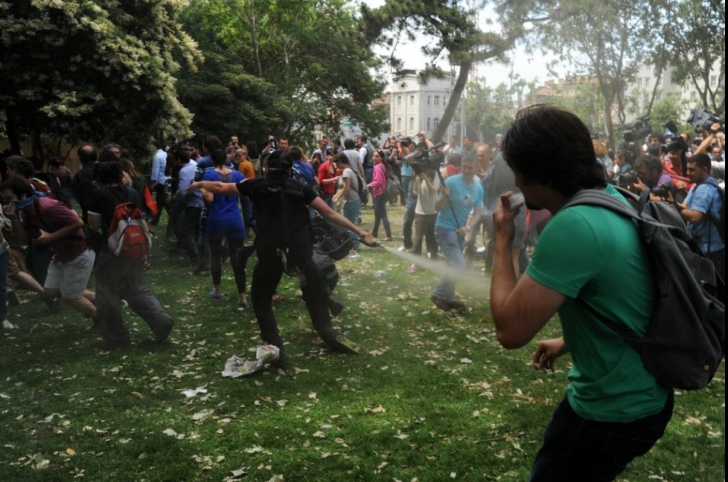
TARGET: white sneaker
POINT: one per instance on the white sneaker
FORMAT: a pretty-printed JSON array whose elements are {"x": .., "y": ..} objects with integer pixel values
[
  {"x": 8, "y": 326},
  {"x": 401, "y": 249}
]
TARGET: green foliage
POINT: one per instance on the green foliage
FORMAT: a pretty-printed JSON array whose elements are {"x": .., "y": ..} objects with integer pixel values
[
  {"x": 490, "y": 110},
  {"x": 604, "y": 39},
  {"x": 669, "y": 108},
  {"x": 286, "y": 67},
  {"x": 93, "y": 71},
  {"x": 695, "y": 36}
]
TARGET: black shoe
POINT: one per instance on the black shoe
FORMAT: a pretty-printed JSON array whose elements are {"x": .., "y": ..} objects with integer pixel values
[
  {"x": 282, "y": 360},
  {"x": 440, "y": 303},
  {"x": 457, "y": 306},
  {"x": 54, "y": 305},
  {"x": 162, "y": 337}
]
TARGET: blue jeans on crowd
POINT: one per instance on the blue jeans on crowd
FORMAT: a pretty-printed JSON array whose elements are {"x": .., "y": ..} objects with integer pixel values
[
  {"x": 329, "y": 200},
  {"x": 452, "y": 248},
  {"x": 380, "y": 215},
  {"x": 351, "y": 211},
  {"x": 3, "y": 285},
  {"x": 409, "y": 213},
  {"x": 575, "y": 448}
]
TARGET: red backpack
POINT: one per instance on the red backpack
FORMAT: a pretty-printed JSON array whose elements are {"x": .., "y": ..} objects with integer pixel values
[{"x": 128, "y": 234}]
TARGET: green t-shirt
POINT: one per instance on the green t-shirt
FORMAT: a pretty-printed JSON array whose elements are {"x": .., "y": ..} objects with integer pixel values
[{"x": 597, "y": 255}]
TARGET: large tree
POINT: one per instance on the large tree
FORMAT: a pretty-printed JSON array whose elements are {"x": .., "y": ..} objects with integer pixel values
[
  {"x": 287, "y": 67},
  {"x": 695, "y": 35},
  {"x": 449, "y": 23},
  {"x": 92, "y": 70},
  {"x": 605, "y": 39}
]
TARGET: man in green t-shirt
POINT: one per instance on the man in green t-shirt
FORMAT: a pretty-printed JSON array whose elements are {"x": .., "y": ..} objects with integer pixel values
[{"x": 614, "y": 408}]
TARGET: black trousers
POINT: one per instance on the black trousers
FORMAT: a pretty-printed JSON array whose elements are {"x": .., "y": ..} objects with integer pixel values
[{"x": 266, "y": 276}]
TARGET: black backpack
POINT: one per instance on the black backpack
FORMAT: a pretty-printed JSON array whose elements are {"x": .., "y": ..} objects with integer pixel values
[
  {"x": 685, "y": 340},
  {"x": 719, "y": 222},
  {"x": 330, "y": 240}
]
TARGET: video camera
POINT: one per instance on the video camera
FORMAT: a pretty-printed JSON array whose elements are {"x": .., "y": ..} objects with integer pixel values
[
  {"x": 703, "y": 120},
  {"x": 429, "y": 160},
  {"x": 639, "y": 129}
]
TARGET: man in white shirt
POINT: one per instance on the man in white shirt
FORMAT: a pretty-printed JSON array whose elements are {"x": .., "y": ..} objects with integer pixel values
[{"x": 159, "y": 179}]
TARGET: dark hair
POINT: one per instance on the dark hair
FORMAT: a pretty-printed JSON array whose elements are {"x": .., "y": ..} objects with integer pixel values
[
  {"x": 651, "y": 163},
  {"x": 18, "y": 187},
  {"x": 87, "y": 154},
  {"x": 349, "y": 144},
  {"x": 212, "y": 144},
  {"x": 22, "y": 165},
  {"x": 252, "y": 147},
  {"x": 295, "y": 153},
  {"x": 702, "y": 160},
  {"x": 37, "y": 163},
  {"x": 363, "y": 138},
  {"x": 658, "y": 136},
  {"x": 342, "y": 158},
  {"x": 181, "y": 155},
  {"x": 219, "y": 158},
  {"x": 655, "y": 151},
  {"x": 315, "y": 155},
  {"x": 336, "y": 142},
  {"x": 626, "y": 154},
  {"x": 455, "y": 160},
  {"x": 128, "y": 167},
  {"x": 108, "y": 156},
  {"x": 551, "y": 146},
  {"x": 107, "y": 173}
]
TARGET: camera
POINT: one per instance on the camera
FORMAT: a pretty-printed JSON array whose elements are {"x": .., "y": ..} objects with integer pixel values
[
  {"x": 429, "y": 160},
  {"x": 639, "y": 129},
  {"x": 627, "y": 179},
  {"x": 703, "y": 120},
  {"x": 273, "y": 144}
]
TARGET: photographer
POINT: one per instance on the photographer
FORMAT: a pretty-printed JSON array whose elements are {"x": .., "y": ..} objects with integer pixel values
[
  {"x": 717, "y": 152},
  {"x": 284, "y": 243},
  {"x": 650, "y": 174},
  {"x": 702, "y": 211}
]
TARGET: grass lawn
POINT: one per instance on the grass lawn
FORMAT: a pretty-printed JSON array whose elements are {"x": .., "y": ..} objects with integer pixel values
[{"x": 436, "y": 398}]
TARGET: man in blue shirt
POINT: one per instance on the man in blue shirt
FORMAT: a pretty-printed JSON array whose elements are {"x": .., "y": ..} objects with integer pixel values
[
  {"x": 702, "y": 210},
  {"x": 460, "y": 195}
]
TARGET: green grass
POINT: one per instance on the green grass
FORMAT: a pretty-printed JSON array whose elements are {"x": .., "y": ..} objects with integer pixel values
[{"x": 436, "y": 397}]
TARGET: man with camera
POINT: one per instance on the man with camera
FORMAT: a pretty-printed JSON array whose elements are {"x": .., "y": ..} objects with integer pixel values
[{"x": 702, "y": 211}]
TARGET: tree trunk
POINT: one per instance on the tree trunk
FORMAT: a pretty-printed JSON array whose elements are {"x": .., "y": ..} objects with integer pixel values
[
  {"x": 37, "y": 144},
  {"x": 453, "y": 102},
  {"x": 13, "y": 134}
]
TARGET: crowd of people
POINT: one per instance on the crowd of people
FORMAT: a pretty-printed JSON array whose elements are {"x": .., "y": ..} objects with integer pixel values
[{"x": 542, "y": 258}]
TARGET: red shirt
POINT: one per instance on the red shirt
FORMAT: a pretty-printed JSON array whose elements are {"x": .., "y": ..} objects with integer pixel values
[
  {"x": 451, "y": 170},
  {"x": 54, "y": 215},
  {"x": 324, "y": 173}
]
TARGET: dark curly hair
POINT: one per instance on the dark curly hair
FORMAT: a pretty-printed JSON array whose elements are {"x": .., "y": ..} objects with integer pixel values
[{"x": 551, "y": 146}]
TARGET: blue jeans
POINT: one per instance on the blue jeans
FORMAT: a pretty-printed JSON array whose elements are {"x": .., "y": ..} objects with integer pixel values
[
  {"x": 409, "y": 214},
  {"x": 351, "y": 211},
  {"x": 575, "y": 448},
  {"x": 380, "y": 215},
  {"x": 452, "y": 247},
  {"x": 329, "y": 200},
  {"x": 3, "y": 285}
]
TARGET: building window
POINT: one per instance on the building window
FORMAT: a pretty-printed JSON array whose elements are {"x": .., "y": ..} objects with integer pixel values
[
  {"x": 399, "y": 124},
  {"x": 412, "y": 124},
  {"x": 429, "y": 123},
  {"x": 639, "y": 81},
  {"x": 647, "y": 81},
  {"x": 429, "y": 99},
  {"x": 399, "y": 100},
  {"x": 437, "y": 100},
  {"x": 412, "y": 100},
  {"x": 713, "y": 80},
  {"x": 437, "y": 123}
]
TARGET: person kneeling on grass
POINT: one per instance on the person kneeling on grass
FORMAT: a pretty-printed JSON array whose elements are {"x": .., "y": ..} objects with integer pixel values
[
  {"x": 47, "y": 221},
  {"x": 284, "y": 243}
]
